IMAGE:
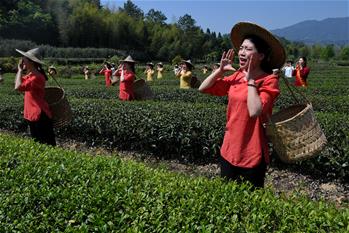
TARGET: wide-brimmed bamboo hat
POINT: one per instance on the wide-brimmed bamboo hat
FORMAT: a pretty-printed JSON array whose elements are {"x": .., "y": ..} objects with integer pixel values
[
  {"x": 150, "y": 64},
  {"x": 188, "y": 62},
  {"x": 128, "y": 59},
  {"x": 33, "y": 54},
  {"x": 241, "y": 30}
]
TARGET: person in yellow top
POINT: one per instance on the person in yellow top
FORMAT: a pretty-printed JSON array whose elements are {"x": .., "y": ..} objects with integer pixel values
[
  {"x": 149, "y": 71},
  {"x": 204, "y": 69},
  {"x": 185, "y": 74},
  {"x": 160, "y": 69}
]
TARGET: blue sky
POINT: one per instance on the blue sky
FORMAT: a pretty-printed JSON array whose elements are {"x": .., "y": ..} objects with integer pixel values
[{"x": 221, "y": 15}]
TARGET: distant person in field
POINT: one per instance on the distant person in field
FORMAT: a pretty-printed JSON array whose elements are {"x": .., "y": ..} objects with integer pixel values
[
  {"x": 301, "y": 73},
  {"x": 252, "y": 91},
  {"x": 127, "y": 73},
  {"x": 185, "y": 74},
  {"x": 288, "y": 71},
  {"x": 106, "y": 70},
  {"x": 1, "y": 78},
  {"x": 86, "y": 72},
  {"x": 52, "y": 71},
  {"x": 113, "y": 78},
  {"x": 160, "y": 69},
  {"x": 215, "y": 67},
  {"x": 149, "y": 71},
  {"x": 176, "y": 69},
  {"x": 205, "y": 69},
  {"x": 31, "y": 79}
]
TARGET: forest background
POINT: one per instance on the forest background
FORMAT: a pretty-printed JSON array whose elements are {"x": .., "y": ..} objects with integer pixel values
[{"x": 62, "y": 26}]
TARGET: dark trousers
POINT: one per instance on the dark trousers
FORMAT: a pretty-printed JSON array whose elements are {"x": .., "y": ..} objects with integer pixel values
[
  {"x": 42, "y": 130},
  {"x": 254, "y": 175}
]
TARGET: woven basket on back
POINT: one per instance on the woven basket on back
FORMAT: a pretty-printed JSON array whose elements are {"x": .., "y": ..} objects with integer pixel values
[
  {"x": 59, "y": 106},
  {"x": 295, "y": 133},
  {"x": 142, "y": 91}
]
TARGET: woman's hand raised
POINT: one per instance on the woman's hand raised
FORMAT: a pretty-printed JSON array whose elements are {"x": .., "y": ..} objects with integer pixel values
[{"x": 227, "y": 61}]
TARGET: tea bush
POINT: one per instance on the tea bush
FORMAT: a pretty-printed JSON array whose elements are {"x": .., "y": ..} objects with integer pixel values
[
  {"x": 185, "y": 124},
  {"x": 46, "y": 189}
]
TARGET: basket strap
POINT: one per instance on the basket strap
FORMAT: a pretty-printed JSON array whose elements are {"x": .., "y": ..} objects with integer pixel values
[
  {"x": 296, "y": 89},
  {"x": 57, "y": 82}
]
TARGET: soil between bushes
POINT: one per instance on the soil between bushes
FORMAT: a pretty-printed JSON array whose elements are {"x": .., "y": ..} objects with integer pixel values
[{"x": 283, "y": 181}]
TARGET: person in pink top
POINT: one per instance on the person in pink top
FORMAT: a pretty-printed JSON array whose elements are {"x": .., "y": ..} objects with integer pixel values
[
  {"x": 126, "y": 72},
  {"x": 106, "y": 70},
  {"x": 36, "y": 109},
  {"x": 252, "y": 91},
  {"x": 301, "y": 72}
]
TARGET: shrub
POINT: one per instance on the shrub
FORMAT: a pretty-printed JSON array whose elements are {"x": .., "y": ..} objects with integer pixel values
[{"x": 46, "y": 189}]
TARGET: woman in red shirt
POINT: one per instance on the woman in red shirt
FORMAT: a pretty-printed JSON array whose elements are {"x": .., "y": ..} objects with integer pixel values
[
  {"x": 251, "y": 91},
  {"x": 301, "y": 72},
  {"x": 126, "y": 72},
  {"x": 36, "y": 109},
  {"x": 106, "y": 70}
]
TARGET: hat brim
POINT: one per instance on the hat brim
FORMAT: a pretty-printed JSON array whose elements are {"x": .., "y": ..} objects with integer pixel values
[
  {"x": 243, "y": 29},
  {"x": 30, "y": 56},
  {"x": 188, "y": 63},
  {"x": 128, "y": 61}
]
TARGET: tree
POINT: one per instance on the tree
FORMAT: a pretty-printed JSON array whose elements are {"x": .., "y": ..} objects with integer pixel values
[
  {"x": 328, "y": 52},
  {"x": 87, "y": 27},
  {"x": 24, "y": 19},
  {"x": 344, "y": 54},
  {"x": 186, "y": 23},
  {"x": 132, "y": 10},
  {"x": 154, "y": 16}
]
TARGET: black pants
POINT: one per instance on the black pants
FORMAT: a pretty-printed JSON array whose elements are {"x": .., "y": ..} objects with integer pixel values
[
  {"x": 42, "y": 130},
  {"x": 254, "y": 175}
]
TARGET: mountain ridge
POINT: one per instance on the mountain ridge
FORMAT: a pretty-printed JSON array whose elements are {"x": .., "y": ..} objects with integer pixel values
[{"x": 326, "y": 31}]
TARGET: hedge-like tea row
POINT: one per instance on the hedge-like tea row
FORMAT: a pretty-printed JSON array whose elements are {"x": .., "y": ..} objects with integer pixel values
[
  {"x": 191, "y": 132},
  {"x": 45, "y": 189}
]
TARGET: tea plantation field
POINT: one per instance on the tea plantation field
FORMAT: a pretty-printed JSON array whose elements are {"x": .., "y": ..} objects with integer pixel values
[
  {"x": 185, "y": 124},
  {"x": 45, "y": 189}
]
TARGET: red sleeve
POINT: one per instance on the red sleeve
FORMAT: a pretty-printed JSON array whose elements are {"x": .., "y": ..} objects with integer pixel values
[
  {"x": 118, "y": 73},
  {"x": 305, "y": 71},
  {"x": 268, "y": 93},
  {"x": 27, "y": 84},
  {"x": 222, "y": 85},
  {"x": 102, "y": 71},
  {"x": 129, "y": 76}
]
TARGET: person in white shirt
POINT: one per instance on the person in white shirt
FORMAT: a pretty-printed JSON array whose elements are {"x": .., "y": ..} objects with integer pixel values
[{"x": 288, "y": 69}]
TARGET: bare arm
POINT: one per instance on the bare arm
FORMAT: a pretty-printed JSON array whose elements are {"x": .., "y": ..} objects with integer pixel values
[
  {"x": 226, "y": 61},
  {"x": 18, "y": 80},
  {"x": 210, "y": 80},
  {"x": 254, "y": 103}
]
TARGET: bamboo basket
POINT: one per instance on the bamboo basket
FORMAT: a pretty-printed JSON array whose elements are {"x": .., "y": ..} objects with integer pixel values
[
  {"x": 59, "y": 106},
  {"x": 294, "y": 132},
  {"x": 142, "y": 91}
]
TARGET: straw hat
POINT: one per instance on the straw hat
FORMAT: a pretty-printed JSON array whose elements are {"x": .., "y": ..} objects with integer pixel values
[
  {"x": 128, "y": 59},
  {"x": 33, "y": 54},
  {"x": 188, "y": 62},
  {"x": 150, "y": 64},
  {"x": 241, "y": 30},
  {"x": 160, "y": 64}
]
